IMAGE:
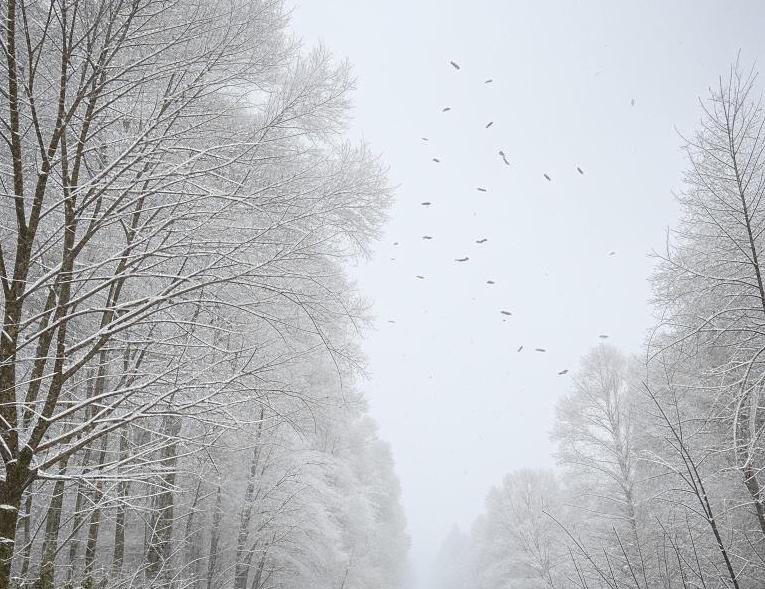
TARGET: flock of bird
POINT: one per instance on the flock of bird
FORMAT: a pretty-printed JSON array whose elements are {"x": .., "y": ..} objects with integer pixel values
[{"x": 505, "y": 159}]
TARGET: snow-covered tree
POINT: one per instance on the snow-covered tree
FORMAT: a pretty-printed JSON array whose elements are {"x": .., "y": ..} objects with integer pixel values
[{"x": 180, "y": 201}]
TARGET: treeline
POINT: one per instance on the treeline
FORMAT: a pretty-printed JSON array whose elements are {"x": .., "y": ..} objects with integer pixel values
[
  {"x": 660, "y": 457},
  {"x": 179, "y": 402}
]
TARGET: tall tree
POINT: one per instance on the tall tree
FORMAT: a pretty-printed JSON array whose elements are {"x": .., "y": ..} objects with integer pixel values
[
  {"x": 709, "y": 286},
  {"x": 178, "y": 199},
  {"x": 594, "y": 428}
]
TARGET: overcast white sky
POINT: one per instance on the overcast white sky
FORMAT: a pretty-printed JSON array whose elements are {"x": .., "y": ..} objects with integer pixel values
[{"x": 458, "y": 404}]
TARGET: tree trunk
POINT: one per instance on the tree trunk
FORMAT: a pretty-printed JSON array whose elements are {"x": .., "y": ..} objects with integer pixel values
[
  {"x": 256, "y": 579},
  {"x": 164, "y": 505},
  {"x": 243, "y": 559},
  {"x": 753, "y": 486},
  {"x": 77, "y": 519},
  {"x": 118, "y": 557},
  {"x": 47, "y": 572},
  {"x": 94, "y": 526},
  {"x": 191, "y": 539},
  {"x": 27, "y": 517},
  {"x": 214, "y": 539},
  {"x": 11, "y": 491}
]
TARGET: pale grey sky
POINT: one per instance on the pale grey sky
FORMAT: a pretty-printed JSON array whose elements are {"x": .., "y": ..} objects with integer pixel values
[{"x": 458, "y": 404}]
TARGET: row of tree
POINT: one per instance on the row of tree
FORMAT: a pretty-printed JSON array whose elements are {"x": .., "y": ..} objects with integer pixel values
[
  {"x": 660, "y": 458},
  {"x": 179, "y": 405}
]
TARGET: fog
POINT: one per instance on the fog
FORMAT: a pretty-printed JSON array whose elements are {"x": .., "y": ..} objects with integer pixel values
[{"x": 458, "y": 404}]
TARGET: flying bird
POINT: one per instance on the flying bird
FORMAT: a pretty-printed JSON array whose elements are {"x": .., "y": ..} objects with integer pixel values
[
  {"x": 426, "y": 203},
  {"x": 612, "y": 253},
  {"x": 446, "y": 108},
  {"x": 489, "y": 124},
  {"x": 483, "y": 240},
  {"x": 395, "y": 243},
  {"x": 506, "y": 313},
  {"x": 603, "y": 336},
  {"x": 562, "y": 372},
  {"x": 489, "y": 282},
  {"x": 455, "y": 65},
  {"x": 391, "y": 321},
  {"x": 435, "y": 159},
  {"x": 420, "y": 276},
  {"x": 425, "y": 139},
  {"x": 548, "y": 178},
  {"x": 465, "y": 259},
  {"x": 578, "y": 169},
  {"x": 489, "y": 81},
  {"x": 427, "y": 237},
  {"x": 479, "y": 189},
  {"x": 504, "y": 157},
  {"x": 539, "y": 350}
]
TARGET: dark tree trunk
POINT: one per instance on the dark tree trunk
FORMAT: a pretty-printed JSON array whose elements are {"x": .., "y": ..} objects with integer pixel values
[
  {"x": 11, "y": 491},
  {"x": 755, "y": 491},
  {"x": 47, "y": 572},
  {"x": 27, "y": 517}
]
